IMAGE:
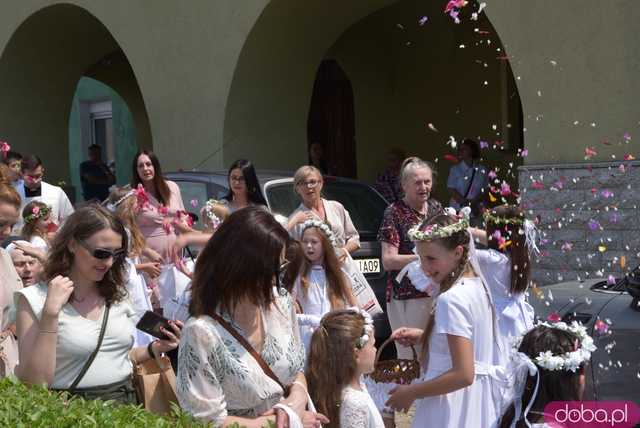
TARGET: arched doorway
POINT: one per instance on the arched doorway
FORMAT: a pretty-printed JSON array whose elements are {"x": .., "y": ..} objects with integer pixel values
[
  {"x": 331, "y": 122},
  {"x": 39, "y": 72}
]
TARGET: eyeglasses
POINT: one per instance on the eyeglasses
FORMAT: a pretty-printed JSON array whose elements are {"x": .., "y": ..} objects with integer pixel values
[
  {"x": 102, "y": 253},
  {"x": 309, "y": 183},
  {"x": 237, "y": 178}
]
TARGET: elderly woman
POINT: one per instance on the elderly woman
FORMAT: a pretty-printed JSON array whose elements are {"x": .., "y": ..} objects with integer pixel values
[
  {"x": 76, "y": 328},
  {"x": 406, "y": 306},
  {"x": 241, "y": 358},
  {"x": 308, "y": 185},
  {"x": 9, "y": 279}
]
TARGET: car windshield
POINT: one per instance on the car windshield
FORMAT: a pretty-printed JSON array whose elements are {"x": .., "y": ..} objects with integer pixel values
[{"x": 365, "y": 206}]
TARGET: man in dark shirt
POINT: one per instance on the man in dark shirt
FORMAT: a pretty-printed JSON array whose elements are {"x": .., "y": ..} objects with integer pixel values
[{"x": 95, "y": 176}]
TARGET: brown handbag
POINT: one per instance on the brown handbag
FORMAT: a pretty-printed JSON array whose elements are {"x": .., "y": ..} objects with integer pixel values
[
  {"x": 263, "y": 365},
  {"x": 155, "y": 383}
]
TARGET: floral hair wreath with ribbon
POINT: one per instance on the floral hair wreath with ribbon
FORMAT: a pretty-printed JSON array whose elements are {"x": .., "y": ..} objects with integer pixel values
[
  {"x": 435, "y": 231},
  {"x": 38, "y": 212},
  {"x": 528, "y": 228},
  {"x": 111, "y": 206},
  {"x": 569, "y": 361},
  {"x": 324, "y": 228},
  {"x": 367, "y": 331}
]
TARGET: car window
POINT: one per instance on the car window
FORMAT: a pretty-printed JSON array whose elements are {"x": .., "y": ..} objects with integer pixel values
[
  {"x": 194, "y": 196},
  {"x": 365, "y": 206}
]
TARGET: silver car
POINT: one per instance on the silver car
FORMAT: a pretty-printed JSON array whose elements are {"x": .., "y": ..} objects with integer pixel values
[{"x": 612, "y": 314}]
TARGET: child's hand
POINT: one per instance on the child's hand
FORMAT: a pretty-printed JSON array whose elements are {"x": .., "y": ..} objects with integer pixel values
[
  {"x": 401, "y": 398},
  {"x": 407, "y": 336}
]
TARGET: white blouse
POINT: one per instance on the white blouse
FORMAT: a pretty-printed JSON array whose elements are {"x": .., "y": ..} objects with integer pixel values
[
  {"x": 315, "y": 299},
  {"x": 78, "y": 337},
  {"x": 358, "y": 410},
  {"x": 217, "y": 377}
]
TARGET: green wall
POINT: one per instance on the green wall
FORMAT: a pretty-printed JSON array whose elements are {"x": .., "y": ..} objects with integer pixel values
[{"x": 124, "y": 133}]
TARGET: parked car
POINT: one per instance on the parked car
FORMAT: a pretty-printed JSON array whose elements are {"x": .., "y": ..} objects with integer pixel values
[
  {"x": 365, "y": 205},
  {"x": 614, "y": 372}
]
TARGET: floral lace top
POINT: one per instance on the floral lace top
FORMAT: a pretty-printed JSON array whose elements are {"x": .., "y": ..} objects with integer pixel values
[
  {"x": 398, "y": 219},
  {"x": 217, "y": 377},
  {"x": 358, "y": 410}
]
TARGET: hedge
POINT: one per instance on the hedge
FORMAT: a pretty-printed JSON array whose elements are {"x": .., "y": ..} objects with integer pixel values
[{"x": 35, "y": 406}]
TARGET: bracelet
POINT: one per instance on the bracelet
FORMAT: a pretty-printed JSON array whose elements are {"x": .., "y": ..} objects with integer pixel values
[
  {"x": 48, "y": 331},
  {"x": 150, "y": 350}
]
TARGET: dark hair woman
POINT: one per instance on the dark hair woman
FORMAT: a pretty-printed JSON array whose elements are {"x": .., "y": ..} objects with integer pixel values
[
  {"x": 244, "y": 187},
  {"x": 236, "y": 286},
  {"x": 159, "y": 205},
  {"x": 60, "y": 320}
]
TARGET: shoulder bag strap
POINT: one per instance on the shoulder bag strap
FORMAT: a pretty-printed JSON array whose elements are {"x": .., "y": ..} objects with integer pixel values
[
  {"x": 92, "y": 357},
  {"x": 473, "y": 175},
  {"x": 263, "y": 365}
]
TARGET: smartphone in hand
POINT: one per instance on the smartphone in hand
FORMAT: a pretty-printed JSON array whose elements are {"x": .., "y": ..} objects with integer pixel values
[{"x": 151, "y": 322}]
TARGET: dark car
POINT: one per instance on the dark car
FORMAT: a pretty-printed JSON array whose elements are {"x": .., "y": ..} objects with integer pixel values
[
  {"x": 611, "y": 311},
  {"x": 365, "y": 205}
]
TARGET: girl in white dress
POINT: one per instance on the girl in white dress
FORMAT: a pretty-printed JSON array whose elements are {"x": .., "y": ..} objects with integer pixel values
[
  {"x": 342, "y": 351},
  {"x": 506, "y": 266},
  {"x": 123, "y": 203},
  {"x": 456, "y": 390},
  {"x": 321, "y": 286},
  {"x": 547, "y": 365},
  {"x": 38, "y": 228}
]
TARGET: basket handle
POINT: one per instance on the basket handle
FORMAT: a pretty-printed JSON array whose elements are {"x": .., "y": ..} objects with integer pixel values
[{"x": 384, "y": 345}]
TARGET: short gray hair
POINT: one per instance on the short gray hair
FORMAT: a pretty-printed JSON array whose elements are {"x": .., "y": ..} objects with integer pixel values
[{"x": 412, "y": 163}]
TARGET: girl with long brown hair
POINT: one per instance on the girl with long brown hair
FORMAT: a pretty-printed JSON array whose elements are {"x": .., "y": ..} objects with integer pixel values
[
  {"x": 321, "y": 286},
  {"x": 342, "y": 351},
  {"x": 458, "y": 342},
  {"x": 506, "y": 266}
]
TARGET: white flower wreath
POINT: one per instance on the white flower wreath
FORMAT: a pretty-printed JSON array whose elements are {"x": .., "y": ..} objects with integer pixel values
[
  {"x": 569, "y": 361},
  {"x": 368, "y": 327},
  {"x": 324, "y": 228},
  {"x": 435, "y": 231}
]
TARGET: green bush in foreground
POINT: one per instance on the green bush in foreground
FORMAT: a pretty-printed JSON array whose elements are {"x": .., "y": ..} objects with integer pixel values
[{"x": 35, "y": 406}]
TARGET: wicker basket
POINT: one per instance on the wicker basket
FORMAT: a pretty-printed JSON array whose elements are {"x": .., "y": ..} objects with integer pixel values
[{"x": 397, "y": 371}]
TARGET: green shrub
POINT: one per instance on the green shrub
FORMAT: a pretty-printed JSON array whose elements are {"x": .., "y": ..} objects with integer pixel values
[{"x": 36, "y": 407}]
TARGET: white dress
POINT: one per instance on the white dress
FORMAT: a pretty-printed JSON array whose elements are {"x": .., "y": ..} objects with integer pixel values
[
  {"x": 140, "y": 297},
  {"x": 515, "y": 315},
  {"x": 217, "y": 377},
  {"x": 358, "y": 410},
  {"x": 464, "y": 310}
]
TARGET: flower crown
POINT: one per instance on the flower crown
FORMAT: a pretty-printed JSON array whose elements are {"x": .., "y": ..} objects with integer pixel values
[
  {"x": 368, "y": 327},
  {"x": 435, "y": 231},
  {"x": 569, "y": 361},
  {"x": 37, "y": 212},
  {"x": 500, "y": 221},
  {"x": 324, "y": 227},
  {"x": 211, "y": 215},
  {"x": 111, "y": 206}
]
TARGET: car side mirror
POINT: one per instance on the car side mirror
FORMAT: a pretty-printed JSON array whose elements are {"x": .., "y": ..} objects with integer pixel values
[{"x": 633, "y": 288}]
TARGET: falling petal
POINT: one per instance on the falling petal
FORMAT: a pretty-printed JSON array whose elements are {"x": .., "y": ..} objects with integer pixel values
[
  {"x": 589, "y": 152},
  {"x": 623, "y": 261},
  {"x": 629, "y": 157},
  {"x": 423, "y": 21},
  {"x": 627, "y": 137},
  {"x": 601, "y": 327},
  {"x": 484, "y": 144},
  {"x": 602, "y": 248},
  {"x": 452, "y": 142},
  {"x": 194, "y": 203},
  {"x": 611, "y": 280},
  {"x": 451, "y": 158},
  {"x": 606, "y": 193},
  {"x": 593, "y": 225},
  {"x": 554, "y": 317},
  {"x": 431, "y": 127}
]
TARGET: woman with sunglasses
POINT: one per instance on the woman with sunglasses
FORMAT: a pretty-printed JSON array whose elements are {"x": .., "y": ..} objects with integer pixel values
[
  {"x": 308, "y": 185},
  {"x": 60, "y": 320}
]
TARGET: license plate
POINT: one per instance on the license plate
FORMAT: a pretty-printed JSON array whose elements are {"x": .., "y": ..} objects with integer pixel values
[{"x": 369, "y": 265}]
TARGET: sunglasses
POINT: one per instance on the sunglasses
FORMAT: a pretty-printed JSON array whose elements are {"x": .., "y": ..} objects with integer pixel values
[{"x": 102, "y": 253}]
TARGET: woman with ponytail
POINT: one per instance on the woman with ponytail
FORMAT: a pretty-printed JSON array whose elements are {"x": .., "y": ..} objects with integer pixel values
[
  {"x": 456, "y": 390},
  {"x": 342, "y": 351}
]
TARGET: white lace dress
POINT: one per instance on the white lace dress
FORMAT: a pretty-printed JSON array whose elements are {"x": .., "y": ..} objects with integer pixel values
[
  {"x": 358, "y": 409},
  {"x": 217, "y": 377}
]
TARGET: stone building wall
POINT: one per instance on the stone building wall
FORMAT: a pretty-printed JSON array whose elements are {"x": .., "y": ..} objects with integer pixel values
[{"x": 589, "y": 220}]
